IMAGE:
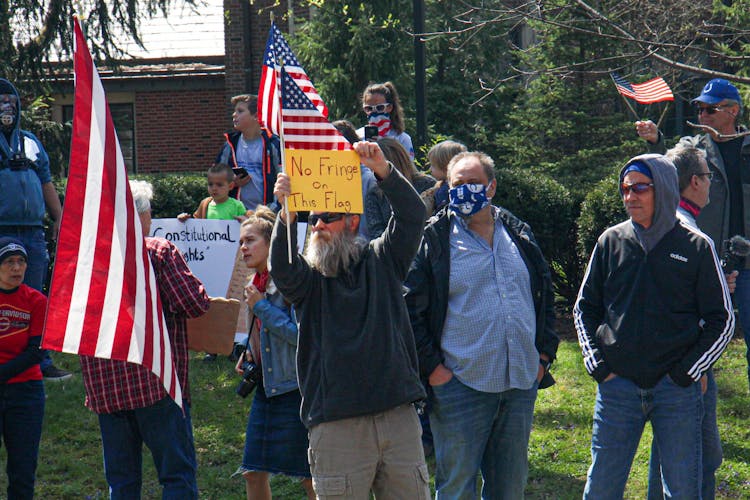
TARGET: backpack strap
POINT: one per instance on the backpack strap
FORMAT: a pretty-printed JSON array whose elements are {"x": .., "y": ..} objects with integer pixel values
[{"x": 202, "y": 208}]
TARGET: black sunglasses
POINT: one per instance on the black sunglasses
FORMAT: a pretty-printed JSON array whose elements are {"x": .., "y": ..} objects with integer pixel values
[
  {"x": 637, "y": 188},
  {"x": 326, "y": 217},
  {"x": 708, "y": 109}
]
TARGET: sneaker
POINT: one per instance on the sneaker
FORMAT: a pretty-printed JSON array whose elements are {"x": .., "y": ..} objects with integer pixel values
[
  {"x": 55, "y": 374},
  {"x": 209, "y": 358}
]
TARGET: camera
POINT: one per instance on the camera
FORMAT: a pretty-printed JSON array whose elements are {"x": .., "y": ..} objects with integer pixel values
[
  {"x": 17, "y": 162},
  {"x": 251, "y": 377},
  {"x": 734, "y": 251},
  {"x": 371, "y": 133}
]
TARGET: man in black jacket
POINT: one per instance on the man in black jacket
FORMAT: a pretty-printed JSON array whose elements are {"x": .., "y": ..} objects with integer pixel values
[
  {"x": 356, "y": 358},
  {"x": 480, "y": 300},
  {"x": 653, "y": 314}
]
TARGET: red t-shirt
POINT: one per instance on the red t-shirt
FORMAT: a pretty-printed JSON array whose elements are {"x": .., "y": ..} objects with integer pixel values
[{"x": 21, "y": 318}]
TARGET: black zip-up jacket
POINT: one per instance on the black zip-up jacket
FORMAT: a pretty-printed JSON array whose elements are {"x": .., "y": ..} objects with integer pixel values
[
  {"x": 642, "y": 316},
  {"x": 427, "y": 288}
]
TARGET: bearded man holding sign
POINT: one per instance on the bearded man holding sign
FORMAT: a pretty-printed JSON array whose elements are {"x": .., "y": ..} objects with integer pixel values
[{"x": 356, "y": 358}]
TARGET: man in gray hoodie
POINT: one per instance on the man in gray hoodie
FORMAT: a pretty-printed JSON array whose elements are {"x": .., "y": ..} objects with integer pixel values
[{"x": 653, "y": 314}]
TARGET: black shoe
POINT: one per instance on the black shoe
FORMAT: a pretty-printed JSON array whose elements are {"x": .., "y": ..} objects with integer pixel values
[
  {"x": 209, "y": 358},
  {"x": 55, "y": 374}
]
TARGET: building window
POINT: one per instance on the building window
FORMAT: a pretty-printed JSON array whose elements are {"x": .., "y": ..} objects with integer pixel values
[{"x": 123, "y": 116}]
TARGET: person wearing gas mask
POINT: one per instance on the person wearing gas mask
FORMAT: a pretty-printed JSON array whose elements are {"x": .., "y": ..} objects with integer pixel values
[
  {"x": 382, "y": 106},
  {"x": 26, "y": 184},
  {"x": 480, "y": 301}
]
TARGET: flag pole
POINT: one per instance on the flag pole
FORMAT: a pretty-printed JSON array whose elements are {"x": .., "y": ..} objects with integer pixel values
[
  {"x": 280, "y": 64},
  {"x": 630, "y": 107},
  {"x": 663, "y": 114}
]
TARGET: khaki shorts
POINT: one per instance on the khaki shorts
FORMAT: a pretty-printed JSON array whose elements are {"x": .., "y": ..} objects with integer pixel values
[{"x": 381, "y": 453}]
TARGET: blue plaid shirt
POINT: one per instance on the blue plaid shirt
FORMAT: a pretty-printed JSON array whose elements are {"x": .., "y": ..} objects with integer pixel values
[{"x": 489, "y": 331}]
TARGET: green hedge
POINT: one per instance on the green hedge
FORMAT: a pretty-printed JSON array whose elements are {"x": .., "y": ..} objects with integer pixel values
[
  {"x": 173, "y": 193},
  {"x": 601, "y": 209},
  {"x": 549, "y": 208}
]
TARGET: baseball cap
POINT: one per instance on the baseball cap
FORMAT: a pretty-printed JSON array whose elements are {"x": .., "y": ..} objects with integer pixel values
[
  {"x": 717, "y": 90},
  {"x": 11, "y": 246}
]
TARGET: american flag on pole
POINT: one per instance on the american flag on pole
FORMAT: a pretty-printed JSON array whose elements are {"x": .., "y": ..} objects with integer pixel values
[
  {"x": 305, "y": 127},
  {"x": 104, "y": 300},
  {"x": 278, "y": 53},
  {"x": 648, "y": 92}
]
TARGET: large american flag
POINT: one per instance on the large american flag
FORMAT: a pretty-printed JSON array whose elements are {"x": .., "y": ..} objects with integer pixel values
[
  {"x": 103, "y": 300},
  {"x": 279, "y": 53},
  {"x": 648, "y": 92},
  {"x": 305, "y": 127}
]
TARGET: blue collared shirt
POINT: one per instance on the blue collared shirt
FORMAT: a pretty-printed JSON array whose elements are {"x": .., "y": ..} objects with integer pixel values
[{"x": 489, "y": 332}]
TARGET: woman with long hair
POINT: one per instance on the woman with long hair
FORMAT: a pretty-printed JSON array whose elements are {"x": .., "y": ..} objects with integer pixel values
[
  {"x": 383, "y": 108},
  {"x": 275, "y": 441}
]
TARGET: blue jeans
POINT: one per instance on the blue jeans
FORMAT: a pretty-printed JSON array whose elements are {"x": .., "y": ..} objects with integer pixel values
[
  {"x": 21, "y": 414},
  {"x": 742, "y": 301},
  {"x": 167, "y": 433},
  {"x": 621, "y": 412},
  {"x": 33, "y": 240},
  {"x": 484, "y": 431},
  {"x": 712, "y": 454}
]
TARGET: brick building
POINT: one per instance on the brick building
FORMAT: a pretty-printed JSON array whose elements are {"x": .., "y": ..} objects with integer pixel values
[{"x": 170, "y": 100}]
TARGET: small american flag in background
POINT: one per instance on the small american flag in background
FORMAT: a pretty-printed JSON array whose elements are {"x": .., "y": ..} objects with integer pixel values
[
  {"x": 648, "y": 92},
  {"x": 305, "y": 127},
  {"x": 278, "y": 51},
  {"x": 104, "y": 301}
]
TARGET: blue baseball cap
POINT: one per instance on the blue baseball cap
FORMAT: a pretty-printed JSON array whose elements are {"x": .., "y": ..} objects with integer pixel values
[{"x": 717, "y": 90}]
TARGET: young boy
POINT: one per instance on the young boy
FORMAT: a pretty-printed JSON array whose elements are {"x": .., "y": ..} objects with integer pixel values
[
  {"x": 218, "y": 205},
  {"x": 253, "y": 153}
]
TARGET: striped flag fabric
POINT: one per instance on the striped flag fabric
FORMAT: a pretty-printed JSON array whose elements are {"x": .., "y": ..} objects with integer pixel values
[
  {"x": 278, "y": 53},
  {"x": 304, "y": 126},
  {"x": 648, "y": 92},
  {"x": 103, "y": 301},
  {"x": 380, "y": 121}
]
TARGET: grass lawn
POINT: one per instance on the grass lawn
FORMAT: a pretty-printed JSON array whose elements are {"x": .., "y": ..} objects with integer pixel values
[{"x": 70, "y": 464}]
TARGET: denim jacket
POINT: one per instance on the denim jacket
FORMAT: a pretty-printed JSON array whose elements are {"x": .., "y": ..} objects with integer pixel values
[{"x": 278, "y": 342}]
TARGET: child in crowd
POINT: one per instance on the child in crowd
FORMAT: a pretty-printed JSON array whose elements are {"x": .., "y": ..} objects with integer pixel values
[
  {"x": 253, "y": 153},
  {"x": 439, "y": 155},
  {"x": 383, "y": 108},
  {"x": 218, "y": 205}
]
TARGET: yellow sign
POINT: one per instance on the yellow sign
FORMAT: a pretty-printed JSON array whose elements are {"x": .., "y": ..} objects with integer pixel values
[{"x": 327, "y": 181}]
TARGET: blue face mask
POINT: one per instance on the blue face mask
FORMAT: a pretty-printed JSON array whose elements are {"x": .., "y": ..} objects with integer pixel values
[{"x": 467, "y": 199}]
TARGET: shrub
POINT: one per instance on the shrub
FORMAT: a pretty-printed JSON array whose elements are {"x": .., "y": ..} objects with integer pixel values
[
  {"x": 547, "y": 206},
  {"x": 175, "y": 193},
  {"x": 601, "y": 209}
]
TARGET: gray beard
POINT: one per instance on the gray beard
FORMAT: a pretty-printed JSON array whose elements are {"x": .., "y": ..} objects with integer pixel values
[{"x": 332, "y": 258}]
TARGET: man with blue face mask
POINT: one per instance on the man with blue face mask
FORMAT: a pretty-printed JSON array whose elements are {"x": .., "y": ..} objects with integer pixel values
[{"x": 480, "y": 300}]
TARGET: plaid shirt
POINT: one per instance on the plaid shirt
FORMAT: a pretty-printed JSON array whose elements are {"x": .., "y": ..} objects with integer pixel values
[{"x": 113, "y": 386}]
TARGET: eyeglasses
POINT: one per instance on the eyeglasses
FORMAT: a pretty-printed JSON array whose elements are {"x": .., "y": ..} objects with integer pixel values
[
  {"x": 709, "y": 109},
  {"x": 710, "y": 175},
  {"x": 637, "y": 188},
  {"x": 380, "y": 108},
  {"x": 326, "y": 217}
]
